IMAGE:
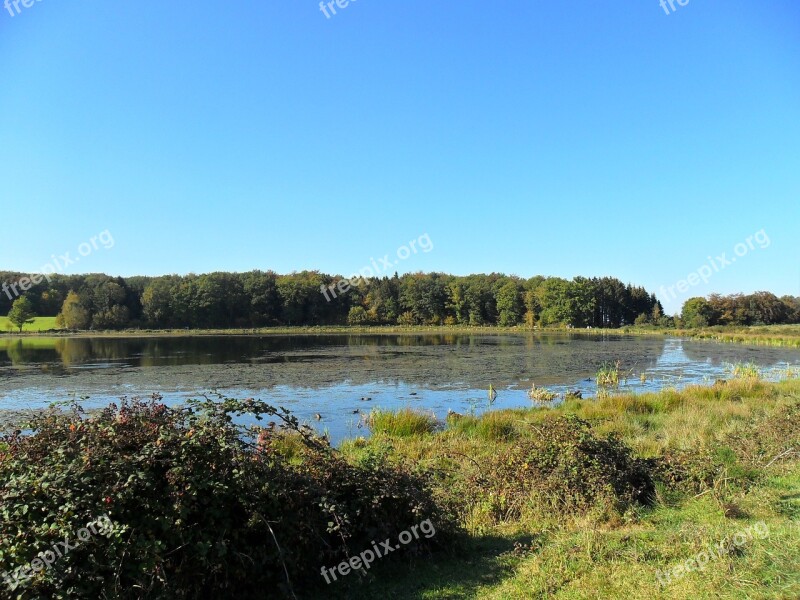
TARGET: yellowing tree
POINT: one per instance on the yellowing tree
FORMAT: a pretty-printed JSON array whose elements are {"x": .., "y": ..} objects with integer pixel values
[{"x": 73, "y": 315}]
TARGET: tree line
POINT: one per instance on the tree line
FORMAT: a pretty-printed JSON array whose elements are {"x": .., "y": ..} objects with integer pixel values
[
  {"x": 265, "y": 298},
  {"x": 759, "y": 308}
]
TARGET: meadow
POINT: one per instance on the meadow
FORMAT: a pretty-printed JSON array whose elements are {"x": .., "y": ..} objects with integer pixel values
[{"x": 39, "y": 324}]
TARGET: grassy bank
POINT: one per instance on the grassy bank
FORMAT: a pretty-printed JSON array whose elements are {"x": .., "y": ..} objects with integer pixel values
[
  {"x": 602, "y": 498},
  {"x": 724, "y": 461},
  {"x": 772, "y": 335}
]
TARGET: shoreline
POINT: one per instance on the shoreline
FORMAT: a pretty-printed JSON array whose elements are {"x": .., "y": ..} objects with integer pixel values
[{"x": 772, "y": 335}]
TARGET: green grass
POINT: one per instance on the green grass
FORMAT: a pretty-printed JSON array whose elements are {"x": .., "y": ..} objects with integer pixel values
[
  {"x": 402, "y": 423},
  {"x": 619, "y": 562},
  {"x": 495, "y": 425},
  {"x": 572, "y": 556},
  {"x": 39, "y": 324}
]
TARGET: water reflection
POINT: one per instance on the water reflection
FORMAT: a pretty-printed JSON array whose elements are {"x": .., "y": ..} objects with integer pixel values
[{"x": 548, "y": 356}]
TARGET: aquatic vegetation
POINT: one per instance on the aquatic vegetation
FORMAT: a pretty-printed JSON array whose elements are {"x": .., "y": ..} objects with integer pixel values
[
  {"x": 608, "y": 375},
  {"x": 787, "y": 372},
  {"x": 745, "y": 371},
  {"x": 492, "y": 394},
  {"x": 540, "y": 394}
]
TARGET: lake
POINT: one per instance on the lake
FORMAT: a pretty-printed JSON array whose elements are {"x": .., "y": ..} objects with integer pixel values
[{"x": 336, "y": 375}]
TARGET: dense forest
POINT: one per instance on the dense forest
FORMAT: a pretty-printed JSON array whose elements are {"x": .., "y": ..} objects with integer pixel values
[
  {"x": 760, "y": 308},
  {"x": 262, "y": 299},
  {"x": 258, "y": 299}
]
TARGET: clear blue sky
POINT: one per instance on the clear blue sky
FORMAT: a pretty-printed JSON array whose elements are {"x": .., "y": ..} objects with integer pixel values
[{"x": 526, "y": 137}]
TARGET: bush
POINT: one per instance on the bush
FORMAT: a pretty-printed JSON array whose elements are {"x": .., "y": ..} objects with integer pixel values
[
  {"x": 200, "y": 506},
  {"x": 692, "y": 471},
  {"x": 771, "y": 439},
  {"x": 565, "y": 468}
]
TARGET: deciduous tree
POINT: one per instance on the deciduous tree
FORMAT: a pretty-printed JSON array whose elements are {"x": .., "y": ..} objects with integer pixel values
[{"x": 21, "y": 312}]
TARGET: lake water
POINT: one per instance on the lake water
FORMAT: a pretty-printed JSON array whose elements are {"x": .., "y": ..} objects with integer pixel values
[{"x": 336, "y": 375}]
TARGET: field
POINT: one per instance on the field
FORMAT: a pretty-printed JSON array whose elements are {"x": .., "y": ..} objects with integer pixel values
[{"x": 39, "y": 324}]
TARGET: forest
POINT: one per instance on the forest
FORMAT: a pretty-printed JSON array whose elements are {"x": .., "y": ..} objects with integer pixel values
[{"x": 265, "y": 299}]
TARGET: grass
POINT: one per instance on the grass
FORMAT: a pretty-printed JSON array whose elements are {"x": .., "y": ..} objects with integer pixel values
[
  {"x": 745, "y": 433},
  {"x": 494, "y": 425},
  {"x": 402, "y": 423},
  {"x": 39, "y": 324}
]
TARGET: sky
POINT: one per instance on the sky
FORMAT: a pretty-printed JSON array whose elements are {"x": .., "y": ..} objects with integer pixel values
[{"x": 525, "y": 137}]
